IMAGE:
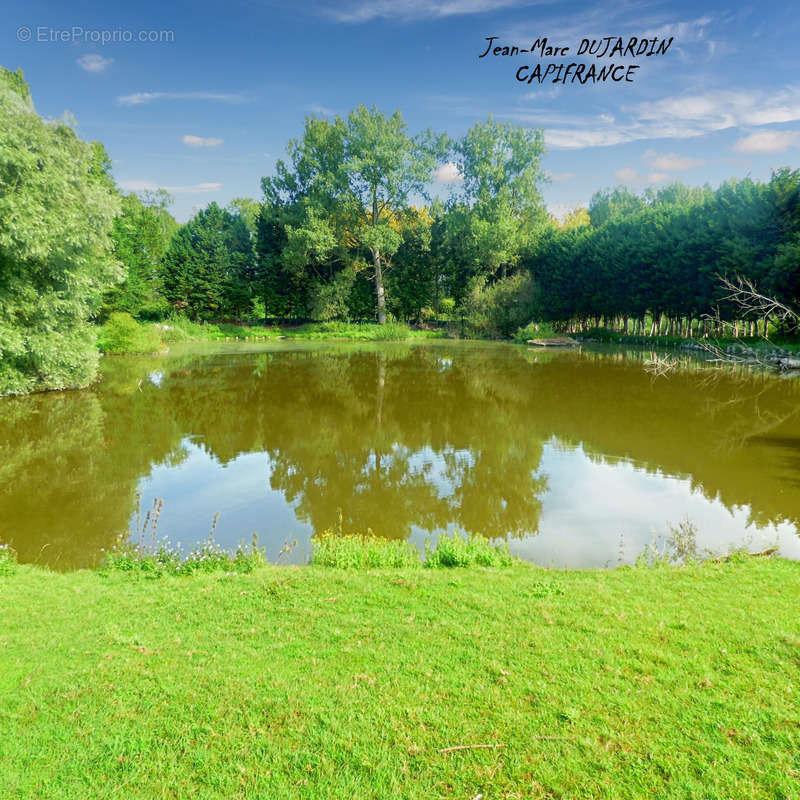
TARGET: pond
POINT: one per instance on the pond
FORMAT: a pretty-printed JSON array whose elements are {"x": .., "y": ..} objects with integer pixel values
[{"x": 577, "y": 458}]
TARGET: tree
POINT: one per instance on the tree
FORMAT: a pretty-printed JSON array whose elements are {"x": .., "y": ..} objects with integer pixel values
[
  {"x": 141, "y": 236},
  {"x": 207, "y": 270},
  {"x": 501, "y": 174},
  {"x": 347, "y": 181},
  {"x": 412, "y": 281},
  {"x": 248, "y": 209},
  {"x": 57, "y": 206}
]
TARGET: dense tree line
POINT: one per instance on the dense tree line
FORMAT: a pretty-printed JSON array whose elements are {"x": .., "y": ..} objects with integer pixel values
[
  {"x": 652, "y": 263},
  {"x": 346, "y": 230}
]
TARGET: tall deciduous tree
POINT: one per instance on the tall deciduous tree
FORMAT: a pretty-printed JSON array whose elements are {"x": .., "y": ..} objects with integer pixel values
[
  {"x": 501, "y": 174},
  {"x": 348, "y": 180},
  {"x": 57, "y": 206}
]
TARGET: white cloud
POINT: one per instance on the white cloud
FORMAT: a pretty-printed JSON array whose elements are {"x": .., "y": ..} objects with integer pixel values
[
  {"x": 151, "y": 186},
  {"x": 567, "y": 139},
  {"x": 627, "y": 175},
  {"x": 560, "y": 177},
  {"x": 142, "y": 98},
  {"x": 92, "y": 62},
  {"x": 767, "y": 142},
  {"x": 630, "y": 175},
  {"x": 199, "y": 141},
  {"x": 407, "y": 10},
  {"x": 719, "y": 110},
  {"x": 691, "y": 30},
  {"x": 672, "y": 117},
  {"x": 670, "y": 162},
  {"x": 448, "y": 173}
]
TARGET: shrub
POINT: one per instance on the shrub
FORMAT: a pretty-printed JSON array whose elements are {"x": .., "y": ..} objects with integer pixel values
[
  {"x": 501, "y": 308},
  {"x": 123, "y": 334},
  {"x": 447, "y": 307},
  {"x": 535, "y": 330}
]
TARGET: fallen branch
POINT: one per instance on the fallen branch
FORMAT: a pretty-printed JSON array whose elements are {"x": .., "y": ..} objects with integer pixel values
[
  {"x": 767, "y": 552},
  {"x": 493, "y": 746},
  {"x": 556, "y": 738},
  {"x": 469, "y": 747}
]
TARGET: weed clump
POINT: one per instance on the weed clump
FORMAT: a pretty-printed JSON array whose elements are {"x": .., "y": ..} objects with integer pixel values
[
  {"x": 8, "y": 560},
  {"x": 359, "y": 551},
  {"x": 166, "y": 559},
  {"x": 362, "y": 551},
  {"x": 456, "y": 551},
  {"x": 146, "y": 556}
]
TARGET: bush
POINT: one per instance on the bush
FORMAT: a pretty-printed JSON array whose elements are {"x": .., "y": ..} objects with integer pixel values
[
  {"x": 535, "y": 330},
  {"x": 123, "y": 334},
  {"x": 498, "y": 310},
  {"x": 447, "y": 307}
]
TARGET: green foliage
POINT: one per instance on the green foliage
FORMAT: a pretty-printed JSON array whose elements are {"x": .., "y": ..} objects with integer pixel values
[
  {"x": 8, "y": 560},
  {"x": 659, "y": 257},
  {"x": 535, "y": 330},
  {"x": 141, "y": 235},
  {"x": 165, "y": 559},
  {"x": 57, "y": 205},
  {"x": 122, "y": 334},
  {"x": 500, "y": 309},
  {"x": 371, "y": 332},
  {"x": 362, "y": 551},
  {"x": 503, "y": 207},
  {"x": 359, "y": 551},
  {"x": 411, "y": 283},
  {"x": 476, "y": 550},
  {"x": 336, "y": 204},
  {"x": 207, "y": 271}
]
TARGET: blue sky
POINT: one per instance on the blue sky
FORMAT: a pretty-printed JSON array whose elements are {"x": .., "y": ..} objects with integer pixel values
[{"x": 205, "y": 111}]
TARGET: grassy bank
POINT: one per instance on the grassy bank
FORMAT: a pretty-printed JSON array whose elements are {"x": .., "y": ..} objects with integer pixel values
[
  {"x": 122, "y": 334},
  {"x": 329, "y": 683}
]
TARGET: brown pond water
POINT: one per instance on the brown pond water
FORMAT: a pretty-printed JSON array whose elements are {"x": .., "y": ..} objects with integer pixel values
[{"x": 578, "y": 458}]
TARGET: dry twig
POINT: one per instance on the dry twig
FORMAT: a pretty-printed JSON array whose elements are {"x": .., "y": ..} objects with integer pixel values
[{"x": 469, "y": 747}]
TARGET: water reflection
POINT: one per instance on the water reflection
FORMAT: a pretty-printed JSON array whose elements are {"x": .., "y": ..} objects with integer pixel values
[{"x": 404, "y": 440}]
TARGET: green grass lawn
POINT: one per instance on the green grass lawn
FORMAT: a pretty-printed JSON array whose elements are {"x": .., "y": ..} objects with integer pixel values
[{"x": 317, "y": 682}]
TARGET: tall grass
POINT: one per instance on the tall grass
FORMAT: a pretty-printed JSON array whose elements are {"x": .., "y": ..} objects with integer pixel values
[
  {"x": 456, "y": 551},
  {"x": 166, "y": 559},
  {"x": 360, "y": 551},
  {"x": 8, "y": 560},
  {"x": 143, "y": 553},
  {"x": 364, "y": 331}
]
